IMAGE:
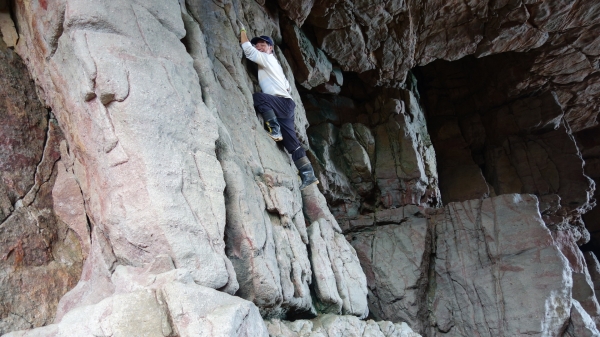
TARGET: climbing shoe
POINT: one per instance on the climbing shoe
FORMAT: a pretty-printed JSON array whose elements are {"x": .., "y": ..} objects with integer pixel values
[
  {"x": 307, "y": 174},
  {"x": 272, "y": 125}
]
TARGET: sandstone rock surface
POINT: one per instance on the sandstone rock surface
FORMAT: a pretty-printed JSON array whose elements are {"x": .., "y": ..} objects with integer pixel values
[
  {"x": 152, "y": 142},
  {"x": 471, "y": 268},
  {"x": 331, "y": 325},
  {"x": 581, "y": 323},
  {"x": 266, "y": 226},
  {"x": 169, "y": 196},
  {"x": 140, "y": 178}
]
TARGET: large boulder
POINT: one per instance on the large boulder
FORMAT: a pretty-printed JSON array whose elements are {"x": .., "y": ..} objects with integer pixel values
[
  {"x": 158, "y": 300},
  {"x": 136, "y": 146},
  {"x": 490, "y": 254},
  {"x": 470, "y": 267}
]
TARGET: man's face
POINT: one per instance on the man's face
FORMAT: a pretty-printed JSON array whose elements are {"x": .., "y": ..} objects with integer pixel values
[{"x": 263, "y": 47}]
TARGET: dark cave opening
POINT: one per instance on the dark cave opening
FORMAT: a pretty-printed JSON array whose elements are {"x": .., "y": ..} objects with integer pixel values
[{"x": 497, "y": 127}]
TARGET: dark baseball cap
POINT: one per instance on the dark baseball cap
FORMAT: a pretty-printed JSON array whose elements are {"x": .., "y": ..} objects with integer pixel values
[{"x": 265, "y": 38}]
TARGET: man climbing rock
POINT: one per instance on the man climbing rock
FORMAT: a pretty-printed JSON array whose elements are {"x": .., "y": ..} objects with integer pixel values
[{"x": 275, "y": 102}]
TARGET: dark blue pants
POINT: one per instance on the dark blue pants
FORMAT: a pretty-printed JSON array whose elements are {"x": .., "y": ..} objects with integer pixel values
[{"x": 284, "y": 110}]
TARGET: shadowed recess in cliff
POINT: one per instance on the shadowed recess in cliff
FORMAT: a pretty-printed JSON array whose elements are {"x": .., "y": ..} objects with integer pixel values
[{"x": 498, "y": 129}]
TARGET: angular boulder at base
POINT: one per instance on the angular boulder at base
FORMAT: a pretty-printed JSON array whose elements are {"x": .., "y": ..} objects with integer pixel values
[{"x": 158, "y": 305}]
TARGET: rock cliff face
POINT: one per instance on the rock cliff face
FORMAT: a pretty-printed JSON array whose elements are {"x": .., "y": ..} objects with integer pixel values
[{"x": 455, "y": 143}]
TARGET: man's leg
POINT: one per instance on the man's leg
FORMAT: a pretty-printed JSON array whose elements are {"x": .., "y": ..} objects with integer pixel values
[
  {"x": 266, "y": 104},
  {"x": 293, "y": 146},
  {"x": 284, "y": 110},
  {"x": 290, "y": 141}
]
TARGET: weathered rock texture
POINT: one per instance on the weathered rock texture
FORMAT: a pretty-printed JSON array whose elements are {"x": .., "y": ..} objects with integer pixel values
[
  {"x": 394, "y": 250},
  {"x": 266, "y": 233},
  {"x": 383, "y": 40},
  {"x": 378, "y": 156},
  {"x": 185, "y": 218},
  {"x": 490, "y": 256},
  {"x": 485, "y": 267},
  {"x": 153, "y": 138},
  {"x": 331, "y": 325},
  {"x": 140, "y": 180},
  {"x": 40, "y": 256},
  {"x": 158, "y": 300}
]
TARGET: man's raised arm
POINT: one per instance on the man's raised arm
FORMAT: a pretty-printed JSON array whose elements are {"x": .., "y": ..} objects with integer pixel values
[
  {"x": 243, "y": 36},
  {"x": 251, "y": 53}
]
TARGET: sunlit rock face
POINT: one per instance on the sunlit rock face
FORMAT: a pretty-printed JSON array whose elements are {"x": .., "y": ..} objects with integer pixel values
[{"x": 455, "y": 145}]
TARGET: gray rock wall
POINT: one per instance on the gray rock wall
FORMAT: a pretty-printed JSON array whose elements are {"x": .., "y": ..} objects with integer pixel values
[
  {"x": 185, "y": 218},
  {"x": 138, "y": 133},
  {"x": 153, "y": 138},
  {"x": 489, "y": 267}
]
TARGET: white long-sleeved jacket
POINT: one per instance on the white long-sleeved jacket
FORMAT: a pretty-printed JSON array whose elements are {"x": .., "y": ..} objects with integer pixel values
[{"x": 271, "y": 78}]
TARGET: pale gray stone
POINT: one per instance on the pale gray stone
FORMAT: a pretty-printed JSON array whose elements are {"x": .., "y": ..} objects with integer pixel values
[
  {"x": 581, "y": 324},
  {"x": 338, "y": 326},
  {"x": 593, "y": 267},
  {"x": 200, "y": 311},
  {"x": 395, "y": 258},
  {"x": 160, "y": 301},
  {"x": 340, "y": 281},
  {"x": 266, "y": 231},
  {"x": 134, "y": 314},
  {"x": 325, "y": 285},
  {"x": 119, "y": 83},
  {"x": 488, "y": 256},
  {"x": 583, "y": 286}
]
